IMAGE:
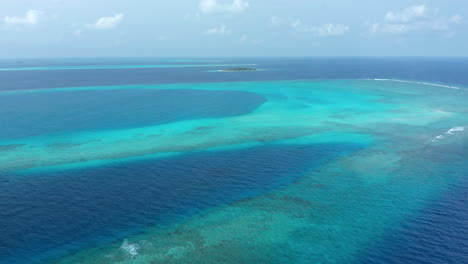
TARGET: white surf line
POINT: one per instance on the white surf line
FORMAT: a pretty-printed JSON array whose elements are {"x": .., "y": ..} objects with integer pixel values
[
  {"x": 451, "y": 131},
  {"x": 423, "y": 83}
]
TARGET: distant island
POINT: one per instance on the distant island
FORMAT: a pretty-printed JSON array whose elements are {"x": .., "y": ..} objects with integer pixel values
[{"x": 240, "y": 69}]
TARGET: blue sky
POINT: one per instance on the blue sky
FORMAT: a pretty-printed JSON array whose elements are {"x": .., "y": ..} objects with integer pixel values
[{"x": 200, "y": 28}]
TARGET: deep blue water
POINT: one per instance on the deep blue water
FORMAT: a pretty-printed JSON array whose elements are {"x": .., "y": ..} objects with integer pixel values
[
  {"x": 48, "y": 215},
  {"x": 436, "y": 234},
  {"x": 441, "y": 70},
  {"x": 96, "y": 110}
]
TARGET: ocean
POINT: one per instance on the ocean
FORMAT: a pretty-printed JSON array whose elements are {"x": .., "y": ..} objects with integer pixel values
[{"x": 305, "y": 160}]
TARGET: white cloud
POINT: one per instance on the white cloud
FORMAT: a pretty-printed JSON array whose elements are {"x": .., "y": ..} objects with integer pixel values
[
  {"x": 390, "y": 28},
  {"x": 407, "y": 15},
  {"x": 276, "y": 21},
  {"x": 244, "y": 38},
  {"x": 108, "y": 22},
  {"x": 214, "y": 6},
  {"x": 414, "y": 18},
  {"x": 332, "y": 30},
  {"x": 327, "y": 30},
  {"x": 297, "y": 25},
  {"x": 456, "y": 19},
  {"x": 32, "y": 17},
  {"x": 220, "y": 30}
]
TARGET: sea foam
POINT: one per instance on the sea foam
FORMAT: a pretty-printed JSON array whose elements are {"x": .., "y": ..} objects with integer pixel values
[
  {"x": 131, "y": 250},
  {"x": 455, "y": 129},
  {"x": 423, "y": 83},
  {"x": 451, "y": 131}
]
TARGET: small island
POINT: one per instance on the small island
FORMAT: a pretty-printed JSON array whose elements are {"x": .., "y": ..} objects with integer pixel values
[{"x": 239, "y": 69}]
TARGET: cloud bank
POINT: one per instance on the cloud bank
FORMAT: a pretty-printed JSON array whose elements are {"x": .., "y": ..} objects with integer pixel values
[{"x": 414, "y": 18}]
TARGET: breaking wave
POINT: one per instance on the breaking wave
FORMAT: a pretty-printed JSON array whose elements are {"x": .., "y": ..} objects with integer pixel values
[
  {"x": 423, "y": 83},
  {"x": 131, "y": 250},
  {"x": 451, "y": 131}
]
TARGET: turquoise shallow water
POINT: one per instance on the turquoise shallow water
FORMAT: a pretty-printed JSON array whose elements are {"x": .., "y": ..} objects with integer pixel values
[{"x": 291, "y": 171}]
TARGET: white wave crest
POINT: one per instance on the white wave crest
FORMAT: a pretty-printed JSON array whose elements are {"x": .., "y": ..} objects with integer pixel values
[
  {"x": 423, "y": 83},
  {"x": 130, "y": 249},
  {"x": 451, "y": 131},
  {"x": 455, "y": 129}
]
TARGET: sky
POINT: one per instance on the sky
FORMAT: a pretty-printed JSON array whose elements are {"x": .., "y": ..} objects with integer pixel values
[{"x": 225, "y": 28}]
